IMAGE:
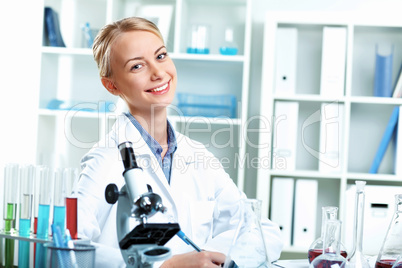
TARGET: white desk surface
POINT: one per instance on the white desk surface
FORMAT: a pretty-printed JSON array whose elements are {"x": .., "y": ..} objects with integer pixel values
[{"x": 302, "y": 263}]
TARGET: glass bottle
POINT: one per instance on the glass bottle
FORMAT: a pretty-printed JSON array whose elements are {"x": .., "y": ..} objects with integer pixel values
[
  {"x": 328, "y": 213},
  {"x": 331, "y": 247},
  {"x": 392, "y": 246},
  {"x": 248, "y": 247},
  {"x": 356, "y": 257},
  {"x": 229, "y": 47}
]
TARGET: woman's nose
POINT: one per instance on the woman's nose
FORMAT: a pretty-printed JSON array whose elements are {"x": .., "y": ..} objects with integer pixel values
[{"x": 157, "y": 71}]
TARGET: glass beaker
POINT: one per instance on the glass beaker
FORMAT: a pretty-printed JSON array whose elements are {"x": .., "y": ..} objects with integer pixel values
[
  {"x": 392, "y": 246},
  {"x": 331, "y": 256},
  {"x": 248, "y": 247},
  {"x": 356, "y": 257},
  {"x": 328, "y": 213}
]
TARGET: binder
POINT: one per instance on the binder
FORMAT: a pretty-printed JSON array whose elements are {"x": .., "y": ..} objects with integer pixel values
[
  {"x": 286, "y": 60},
  {"x": 282, "y": 206},
  {"x": 386, "y": 138},
  {"x": 397, "y": 93},
  {"x": 304, "y": 228},
  {"x": 285, "y": 135},
  {"x": 398, "y": 151},
  {"x": 331, "y": 138},
  {"x": 333, "y": 62},
  {"x": 383, "y": 71},
  {"x": 52, "y": 28}
]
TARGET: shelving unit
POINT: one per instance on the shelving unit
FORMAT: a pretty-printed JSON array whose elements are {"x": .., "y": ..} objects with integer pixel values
[
  {"x": 70, "y": 73},
  {"x": 365, "y": 117}
]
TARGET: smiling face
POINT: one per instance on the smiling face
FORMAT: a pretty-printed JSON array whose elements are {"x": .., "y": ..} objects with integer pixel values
[{"x": 143, "y": 74}]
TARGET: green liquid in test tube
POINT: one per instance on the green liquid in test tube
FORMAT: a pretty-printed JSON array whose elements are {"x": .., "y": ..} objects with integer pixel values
[{"x": 10, "y": 209}]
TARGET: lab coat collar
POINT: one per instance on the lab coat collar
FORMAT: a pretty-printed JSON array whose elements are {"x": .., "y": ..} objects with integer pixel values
[{"x": 124, "y": 130}]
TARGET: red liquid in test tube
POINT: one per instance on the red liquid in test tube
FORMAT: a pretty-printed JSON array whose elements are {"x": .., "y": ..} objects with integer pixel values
[{"x": 71, "y": 216}]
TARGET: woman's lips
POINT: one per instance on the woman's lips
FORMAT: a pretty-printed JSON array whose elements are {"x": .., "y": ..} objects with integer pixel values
[{"x": 160, "y": 90}]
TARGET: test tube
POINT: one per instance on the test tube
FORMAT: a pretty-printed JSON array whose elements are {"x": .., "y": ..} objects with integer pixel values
[
  {"x": 71, "y": 176},
  {"x": 10, "y": 209},
  {"x": 59, "y": 200},
  {"x": 26, "y": 197},
  {"x": 44, "y": 199}
]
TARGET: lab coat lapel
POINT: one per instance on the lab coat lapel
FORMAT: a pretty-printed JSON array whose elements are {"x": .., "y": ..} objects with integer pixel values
[{"x": 126, "y": 131}]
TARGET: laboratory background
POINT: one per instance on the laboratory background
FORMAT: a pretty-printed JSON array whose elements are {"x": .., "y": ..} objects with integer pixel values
[{"x": 298, "y": 99}]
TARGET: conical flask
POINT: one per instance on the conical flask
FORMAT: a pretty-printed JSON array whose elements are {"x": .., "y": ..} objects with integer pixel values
[
  {"x": 331, "y": 256},
  {"x": 328, "y": 213},
  {"x": 392, "y": 246},
  {"x": 356, "y": 257},
  {"x": 248, "y": 247},
  {"x": 398, "y": 262}
]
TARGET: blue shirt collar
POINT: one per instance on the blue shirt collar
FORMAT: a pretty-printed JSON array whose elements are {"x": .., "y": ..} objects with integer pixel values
[{"x": 153, "y": 145}]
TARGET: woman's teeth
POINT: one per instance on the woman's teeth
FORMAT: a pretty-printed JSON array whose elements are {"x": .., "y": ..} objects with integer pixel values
[{"x": 159, "y": 88}]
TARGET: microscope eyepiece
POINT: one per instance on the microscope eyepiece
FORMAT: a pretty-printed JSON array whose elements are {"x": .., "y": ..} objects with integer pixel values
[{"x": 127, "y": 153}]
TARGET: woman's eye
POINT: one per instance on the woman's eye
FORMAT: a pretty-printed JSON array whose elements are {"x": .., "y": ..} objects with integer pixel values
[
  {"x": 162, "y": 56},
  {"x": 136, "y": 67}
]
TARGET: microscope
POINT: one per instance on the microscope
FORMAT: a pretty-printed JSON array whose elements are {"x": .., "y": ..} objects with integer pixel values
[{"x": 143, "y": 245}]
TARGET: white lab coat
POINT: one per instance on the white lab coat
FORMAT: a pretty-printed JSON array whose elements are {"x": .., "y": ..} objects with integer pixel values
[{"x": 201, "y": 197}]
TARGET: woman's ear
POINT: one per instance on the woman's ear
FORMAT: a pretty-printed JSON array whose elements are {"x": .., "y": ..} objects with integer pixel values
[{"x": 110, "y": 86}]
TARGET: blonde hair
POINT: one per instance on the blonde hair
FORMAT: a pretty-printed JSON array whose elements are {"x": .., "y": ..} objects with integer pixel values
[{"x": 108, "y": 34}]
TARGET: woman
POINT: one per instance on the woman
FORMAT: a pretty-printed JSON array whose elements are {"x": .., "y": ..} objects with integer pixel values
[{"x": 134, "y": 65}]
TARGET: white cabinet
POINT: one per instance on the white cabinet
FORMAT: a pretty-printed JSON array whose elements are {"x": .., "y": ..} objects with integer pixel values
[
  {"x": 70, "y": 74},
  {"x": 364, "y": 116}
]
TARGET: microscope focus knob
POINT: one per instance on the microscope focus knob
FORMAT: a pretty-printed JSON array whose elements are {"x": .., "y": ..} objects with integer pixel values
[{"x": 111, "y": 193}]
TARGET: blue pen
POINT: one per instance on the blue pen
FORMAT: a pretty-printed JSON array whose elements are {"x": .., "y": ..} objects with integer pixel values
[
  {"x": 188, "y": 241},
  {"x": 58, "y": 241},
  {"x": 70, "y": 245}
]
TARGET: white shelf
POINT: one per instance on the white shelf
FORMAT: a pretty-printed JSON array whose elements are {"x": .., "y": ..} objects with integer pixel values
[
  {"x": 365, "y": 116},
  {"x": 208, "y": 57},
  {"x": 67, "y": 51},
  {"x": 205, "y": 120},
  {"x": 75, "y": 113}
]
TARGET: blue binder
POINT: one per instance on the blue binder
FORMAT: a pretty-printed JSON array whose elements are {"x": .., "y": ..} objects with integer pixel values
[
  {"x": 52, "y": 28},
  {"x": 389, "y": 131}
]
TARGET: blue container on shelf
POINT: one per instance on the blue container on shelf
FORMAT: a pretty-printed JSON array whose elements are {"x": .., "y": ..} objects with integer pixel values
[{"x": 207, "y": 105}]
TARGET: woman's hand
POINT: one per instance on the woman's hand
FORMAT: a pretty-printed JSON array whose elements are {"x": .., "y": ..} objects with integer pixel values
[{"x": 195, "y": 259}]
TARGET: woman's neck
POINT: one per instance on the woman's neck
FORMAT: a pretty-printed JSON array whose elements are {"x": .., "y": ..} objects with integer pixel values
[{"x": 155, "y": 124}]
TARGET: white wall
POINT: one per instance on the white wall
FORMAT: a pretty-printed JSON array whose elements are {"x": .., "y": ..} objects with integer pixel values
[
  {"x": 20, "y": 37},
  {"x": 20, "y": 63}
]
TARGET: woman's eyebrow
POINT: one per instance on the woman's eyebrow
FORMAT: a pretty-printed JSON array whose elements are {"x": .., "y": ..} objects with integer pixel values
[
  {"x": 159, "y": 49},
  {"x": 140, "y": 58},
  {"x": 136, "y": 58}
]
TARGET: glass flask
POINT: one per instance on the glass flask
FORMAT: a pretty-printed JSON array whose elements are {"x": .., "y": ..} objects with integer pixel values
[
  {"x": 328, "y": 213},
  {"x": 398, "y": 262},
  {"x": 331, "y": 247},
  {"x": 248, "y": 247},
  {"x": 392, "y": 246},
  {"x": 356, "y": 257}
]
